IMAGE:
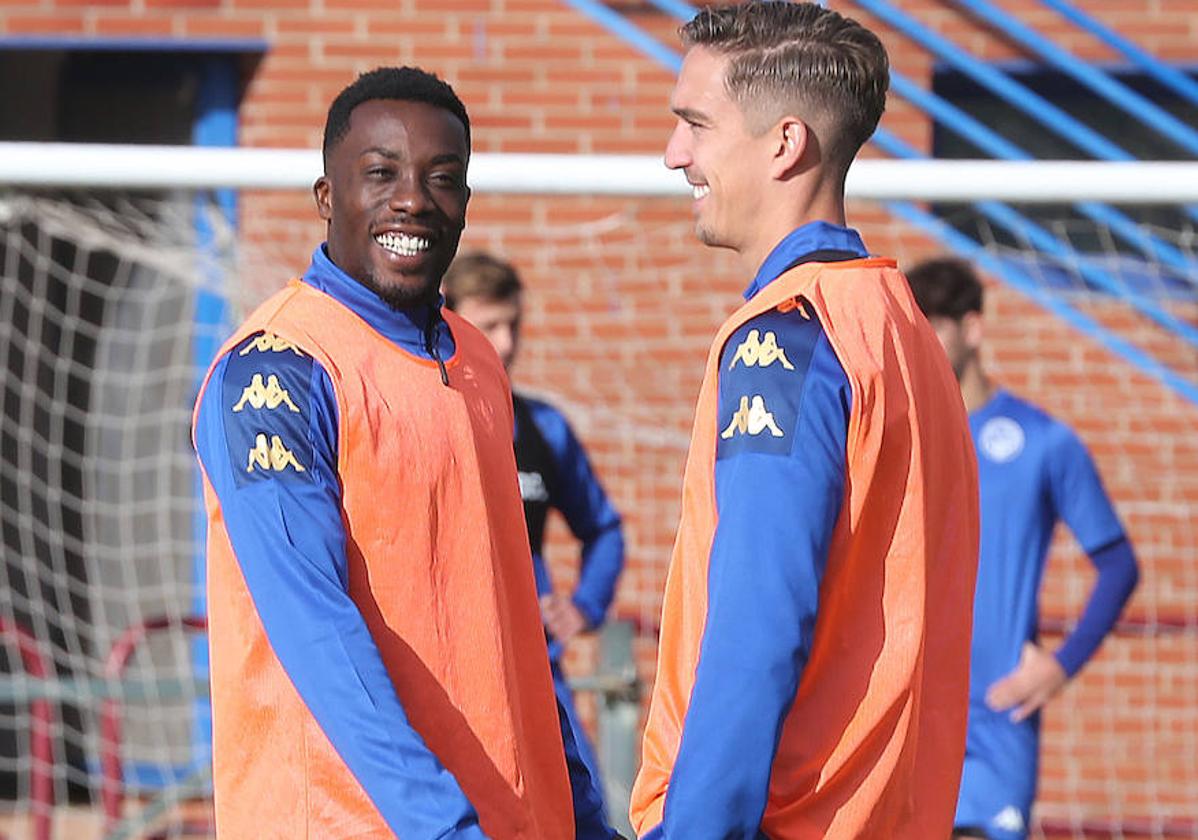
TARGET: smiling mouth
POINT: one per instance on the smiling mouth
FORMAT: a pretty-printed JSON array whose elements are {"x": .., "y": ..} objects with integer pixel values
[
  {"x": 403, "y": 244},
  {"x": 700, "y": 190}
]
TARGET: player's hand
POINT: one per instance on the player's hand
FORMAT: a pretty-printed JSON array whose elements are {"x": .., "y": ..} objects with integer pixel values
[
  {"x": 1033, "y": 683},
  {"x": 561, "y": 617}
]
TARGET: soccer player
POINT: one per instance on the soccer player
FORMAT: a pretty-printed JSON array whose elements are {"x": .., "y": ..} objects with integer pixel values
[
  {"x": 1033, "y": 471},
  {"x": 813, "y": 670},
  {"x": 554, "y": 474},
  {"x": 371, "y": 611}
]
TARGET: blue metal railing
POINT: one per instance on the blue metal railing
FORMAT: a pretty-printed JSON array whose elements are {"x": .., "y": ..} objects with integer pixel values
[
  {"x": 1011, "y": 91},
  {"x": 1170, "y": 77},
  {"x": 1028, "y": 230},
  {"x": 1031, "y": 103},
  {"x": 937, "y": 228},
  {"x": 991, "y": 142},
  {"x": 1019, "y": 280},
  {"x": 1115, "y": 92}
]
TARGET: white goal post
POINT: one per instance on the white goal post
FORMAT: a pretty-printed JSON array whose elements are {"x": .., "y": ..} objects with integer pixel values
[{"x": 165, "y": 167}]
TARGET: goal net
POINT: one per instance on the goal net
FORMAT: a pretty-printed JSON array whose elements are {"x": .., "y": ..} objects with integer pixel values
[{"x": 113, "y": 302}]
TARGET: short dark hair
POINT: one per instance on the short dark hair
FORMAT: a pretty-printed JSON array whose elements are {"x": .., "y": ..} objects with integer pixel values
[
  {"x": 480, "y": 275},
  {"x": 798, "y": 58},
  {"x": 946, "y": 287},
  {"x": 405, "y": 83}
]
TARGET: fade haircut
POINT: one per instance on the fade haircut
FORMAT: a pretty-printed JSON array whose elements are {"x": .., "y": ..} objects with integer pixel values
[
  {"x": 409, "y": 84},
  {"x": 946, "y": 287},
  {"x": 480, "y": 275},
  {"x": 802, "y": 59}
]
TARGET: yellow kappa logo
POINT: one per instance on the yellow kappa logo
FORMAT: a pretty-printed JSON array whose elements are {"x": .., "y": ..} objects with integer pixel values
[
  {"x": 276, "y": 457},
  {"x": 271, "y": 394},
  {"x": 751, "y": 418},
  {"x": 755, "y": 351},
  {"x": 269, "y": 343}
]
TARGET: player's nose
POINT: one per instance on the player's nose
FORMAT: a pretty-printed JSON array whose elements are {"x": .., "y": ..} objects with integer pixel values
[{"x": 678, "y": 155}]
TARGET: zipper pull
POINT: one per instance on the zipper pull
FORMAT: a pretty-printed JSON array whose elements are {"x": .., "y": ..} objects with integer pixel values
[{"x": 431, "y": 343}]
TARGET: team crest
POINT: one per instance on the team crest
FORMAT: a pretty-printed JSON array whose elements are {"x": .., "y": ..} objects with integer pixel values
[
  {"x": 756, "y": 351},
  {"x": 751, "y": 418},
  {"x": 1001, "y": 440},
  {"x": 268, "y": 395},
  {"x": 1009, "y": 819}
]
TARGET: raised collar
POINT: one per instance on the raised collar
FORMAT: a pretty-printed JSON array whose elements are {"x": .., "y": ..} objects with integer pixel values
[
  {"x": 815, "y": 241},
  {"x": 404, "y": 327}
]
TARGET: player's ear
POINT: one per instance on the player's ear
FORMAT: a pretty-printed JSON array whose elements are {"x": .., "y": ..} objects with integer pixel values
[
  {"x": 972, "y": 329},
  {"x": 321, "y": 191},
  {"x": 791, "y": 137}
]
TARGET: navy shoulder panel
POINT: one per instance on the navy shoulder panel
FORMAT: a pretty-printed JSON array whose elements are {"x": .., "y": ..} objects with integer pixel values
[
  {"x": 764, "y": 371},
  {"x": 266, "y": 410}
]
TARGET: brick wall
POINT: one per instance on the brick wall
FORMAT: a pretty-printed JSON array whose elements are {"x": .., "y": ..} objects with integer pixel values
[{"x": 623, "y": 304}]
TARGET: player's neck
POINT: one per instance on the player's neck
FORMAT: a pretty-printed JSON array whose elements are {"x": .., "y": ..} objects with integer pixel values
[
  {"x": 976, "y": 388},
  {"x": 825, "y": 205}
]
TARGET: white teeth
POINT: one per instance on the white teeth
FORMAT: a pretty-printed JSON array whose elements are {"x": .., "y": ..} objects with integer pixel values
[
  {"x": 402, "y": 244},
  {"x": 700, "y": 190}
]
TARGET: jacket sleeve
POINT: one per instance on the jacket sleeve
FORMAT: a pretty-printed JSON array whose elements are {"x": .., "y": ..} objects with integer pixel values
[
  {"x": 590, "y": 515},
  {"x": 779, "y": 481},
  {"x": 1082, "y": 502},
  {"x": 267, "y": 439}
]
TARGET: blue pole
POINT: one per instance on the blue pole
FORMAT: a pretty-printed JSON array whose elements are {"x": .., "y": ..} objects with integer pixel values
[
  {"x": 1167, "y": 75},
  {"x": 1113, "y": 91},
  {"x": 215, "y": 125}
]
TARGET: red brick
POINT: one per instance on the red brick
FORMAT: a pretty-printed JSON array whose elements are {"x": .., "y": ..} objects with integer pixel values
[
  {"x": 62, "y": 23},
  {"x": 132, "y": 25},
  {"x": 180, "y": 6},
  {"x": 213, "y": 26}
]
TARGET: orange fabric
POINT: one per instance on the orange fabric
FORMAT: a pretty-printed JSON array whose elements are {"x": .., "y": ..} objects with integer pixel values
[
  {"x": 438, "y": 565},
  {"x": 874, "y": 742}
]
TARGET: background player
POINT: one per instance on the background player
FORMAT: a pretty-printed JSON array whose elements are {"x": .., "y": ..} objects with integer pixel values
[
  {"x": 554, "y": 474},
  {"x": 813, "y": 668},
  {"x": 1033, "y": 471}
]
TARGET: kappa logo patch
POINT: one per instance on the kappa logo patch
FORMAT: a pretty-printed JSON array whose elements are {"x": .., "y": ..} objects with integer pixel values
[
  {"x": 756, "y": 351},
  {"x": 275, "y": 457},
  {"x": 762, "y": 373},
  {"x": 270, "y": 395},
  {"x": 266, "y": 394},
  {"x": 267, "y": 343},
  {"x": 752, "y": 418}
]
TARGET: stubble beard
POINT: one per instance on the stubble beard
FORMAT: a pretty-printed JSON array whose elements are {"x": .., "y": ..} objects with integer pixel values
[{"x": 400, "y": 297}]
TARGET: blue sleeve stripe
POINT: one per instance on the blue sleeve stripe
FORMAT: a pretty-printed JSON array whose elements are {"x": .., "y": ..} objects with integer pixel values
[
  {"x": 582, "y": 501},
  {"x": 1118, "y": 575}
]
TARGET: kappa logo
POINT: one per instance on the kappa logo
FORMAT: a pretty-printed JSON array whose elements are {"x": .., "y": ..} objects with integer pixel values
[
  {"x": 269, "y": 395},
  {"x": 756, "y": 351},
  {"x": 269, "y": 343},
  {"x": 1009, "y": 819},
  {"x": 275, "y": 457},
  {"x": 751, "y": 418}
]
